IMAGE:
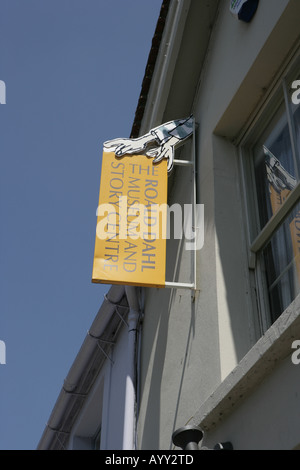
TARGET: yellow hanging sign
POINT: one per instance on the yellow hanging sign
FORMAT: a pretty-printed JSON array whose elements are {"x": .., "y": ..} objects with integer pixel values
[{"x": 130, "y": 246}]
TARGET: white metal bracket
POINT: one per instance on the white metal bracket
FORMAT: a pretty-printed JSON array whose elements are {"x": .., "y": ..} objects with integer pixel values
[{"x": 191, "y": 163}]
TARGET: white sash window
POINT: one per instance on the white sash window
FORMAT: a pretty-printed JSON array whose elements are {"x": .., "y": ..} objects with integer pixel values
[{"x": 271, "y": 166}]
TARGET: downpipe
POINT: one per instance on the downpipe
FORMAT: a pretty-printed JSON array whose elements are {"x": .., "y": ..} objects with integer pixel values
[{"x": 130, "y": 391}]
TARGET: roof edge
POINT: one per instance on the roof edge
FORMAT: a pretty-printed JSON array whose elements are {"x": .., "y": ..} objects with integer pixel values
[
  {"x": 74, "y": 390},
  {"x": 149, "y": 70}
]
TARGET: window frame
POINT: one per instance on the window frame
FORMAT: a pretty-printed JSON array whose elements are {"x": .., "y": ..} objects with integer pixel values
[{"x": 257, "y": 237}]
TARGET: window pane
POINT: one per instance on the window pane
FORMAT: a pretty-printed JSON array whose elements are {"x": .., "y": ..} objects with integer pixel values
[
  {"x": 97, "y": 440},
  {"x": 296, "y": 119},
  {"x": 282, "y": 264},
  {"x": 274, "y": 167},
  {"x": 294, "y": 103}
]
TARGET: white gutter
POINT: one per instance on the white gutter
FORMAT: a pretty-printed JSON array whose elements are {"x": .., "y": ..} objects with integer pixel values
[{"x": 130, "y": 391}]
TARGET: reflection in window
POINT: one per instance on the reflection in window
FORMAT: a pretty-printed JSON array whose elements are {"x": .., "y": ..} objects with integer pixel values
[
  {"x": 282, "y": 264},
  {"x": 274, "y": 168},
  {"x": 295, "y": 111}
]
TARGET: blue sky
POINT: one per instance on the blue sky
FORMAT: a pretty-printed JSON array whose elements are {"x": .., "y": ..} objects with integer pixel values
[{"x": 73, "y": 71}]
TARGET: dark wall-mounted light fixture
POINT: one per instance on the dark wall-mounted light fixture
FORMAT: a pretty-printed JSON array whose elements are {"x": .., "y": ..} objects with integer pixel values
[{"x": 188, "y": 438}]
